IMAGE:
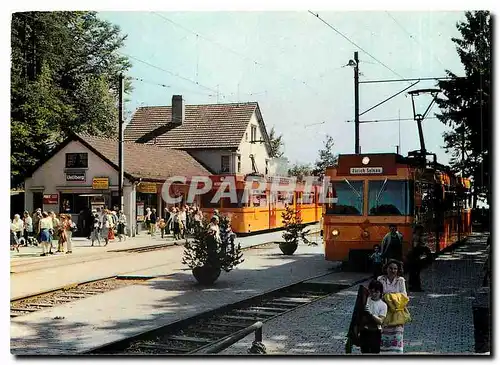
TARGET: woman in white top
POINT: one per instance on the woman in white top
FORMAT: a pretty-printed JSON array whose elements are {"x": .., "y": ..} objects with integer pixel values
[{"x": 393, "y": 282}]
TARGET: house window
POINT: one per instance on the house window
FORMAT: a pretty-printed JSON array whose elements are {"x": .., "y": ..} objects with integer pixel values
[
  {"x": 253, "y": 136},
  {"x": 77, "y": 160},
  {"x": 267, "y": 167},
  {"x": 224, "y": 164},
  {"x": 239, "y": 163}
]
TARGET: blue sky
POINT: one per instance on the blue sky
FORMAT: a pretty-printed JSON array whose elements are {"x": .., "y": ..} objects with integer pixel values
[{"x": 292, "y": 64}]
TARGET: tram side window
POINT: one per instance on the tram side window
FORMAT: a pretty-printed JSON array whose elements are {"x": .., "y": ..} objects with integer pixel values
[
  {"x": 388, "y": 197},
  {"x": 307, "y": 198},
  {"x": 349, "y": 196},
  {"x": 284, "y": 197}
]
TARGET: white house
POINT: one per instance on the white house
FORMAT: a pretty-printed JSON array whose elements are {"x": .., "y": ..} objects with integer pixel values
[{"x": 225, "y": 138}]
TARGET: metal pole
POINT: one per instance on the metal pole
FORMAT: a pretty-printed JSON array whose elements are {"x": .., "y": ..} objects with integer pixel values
[
  {"x": 120, "y": 140},
  {"x": 356, "y": 103}
]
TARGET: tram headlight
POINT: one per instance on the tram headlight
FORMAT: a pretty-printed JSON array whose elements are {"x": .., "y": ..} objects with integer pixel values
[{"x": 335, "y": 233}]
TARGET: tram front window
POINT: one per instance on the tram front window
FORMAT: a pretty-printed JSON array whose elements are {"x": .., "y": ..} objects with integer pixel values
[
  {"x": 388, "y": 197},
  {"x": 350, "y": 198}
]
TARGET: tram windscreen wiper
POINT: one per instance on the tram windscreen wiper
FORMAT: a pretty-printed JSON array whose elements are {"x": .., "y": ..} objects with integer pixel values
[
  {"x": 380, "y": 191},
  {"x": 353, "y": 188}
]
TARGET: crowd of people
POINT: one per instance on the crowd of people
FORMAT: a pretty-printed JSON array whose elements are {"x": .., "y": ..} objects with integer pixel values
[
  {"x": 180, "y": 221},
  {"x": 46, "y": 229},
  {"x": 53, "y": 233}
]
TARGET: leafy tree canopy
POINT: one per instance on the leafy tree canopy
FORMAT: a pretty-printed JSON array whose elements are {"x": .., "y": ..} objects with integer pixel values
[
  {"x": 466, "y": 105},
  {"x": 65, "y": 69}
]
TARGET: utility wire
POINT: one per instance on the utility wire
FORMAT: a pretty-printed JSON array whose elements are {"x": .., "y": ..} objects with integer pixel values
[
  {"x": 142, "y": 61},
  {"x": 169, "y": 72},
  {"x": 350, "y": 41},
  {"x": 412, "y": 37}
]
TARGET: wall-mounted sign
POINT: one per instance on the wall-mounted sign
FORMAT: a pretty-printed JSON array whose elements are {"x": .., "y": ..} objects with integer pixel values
[
  {"x": 100, "y": 183},
  {"x": 50, "y": 198},
  {"x": 76, "y": 176},
  {"x": 366, "y": 170},
  {"x": 146, "y": 187}
]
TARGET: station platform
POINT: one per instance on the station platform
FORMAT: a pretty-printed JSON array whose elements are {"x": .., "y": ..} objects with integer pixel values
[
  {"x": 79, "y": 326},
  {"x": 442, "y": 315}
]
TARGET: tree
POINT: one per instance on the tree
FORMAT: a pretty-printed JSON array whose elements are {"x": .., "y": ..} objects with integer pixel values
[
  {"x": 326, "y": 157},
  {"x": 64, "y": 77},
  {"x": 466, "y": 106},
  {"x": 276, "y": 144},
  {"x": 300, "y": 171}
]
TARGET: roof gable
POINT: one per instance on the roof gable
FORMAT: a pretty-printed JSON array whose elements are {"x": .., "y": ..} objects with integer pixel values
[
  {"x": 205, "y": 126},
  {"x": 140, "y": 161}
]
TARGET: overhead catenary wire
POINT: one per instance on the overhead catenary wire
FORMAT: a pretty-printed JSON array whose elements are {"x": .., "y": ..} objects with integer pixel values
[{"x": 356, "y": 45}]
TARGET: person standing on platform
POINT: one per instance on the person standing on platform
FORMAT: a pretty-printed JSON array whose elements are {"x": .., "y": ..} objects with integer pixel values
[
  {"x": 414, "y": 259},
  {"x": 106, "y": 225},
  {"x": 147, "y": 219},
  {"x": 392, "y": 245},
  {"x": 152, "y": 225},
  {"x": 46, "y": 230},
  {"x": 28, "y": 228},
  {"x": 96, "y": 227},
  {"x": 55, "y": 231},
  {"x": 122, "y": 223},
  {"x": 376, "y": 258}
]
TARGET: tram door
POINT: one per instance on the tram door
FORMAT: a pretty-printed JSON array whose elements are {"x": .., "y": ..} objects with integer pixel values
[{"x": 272, "y": 210}]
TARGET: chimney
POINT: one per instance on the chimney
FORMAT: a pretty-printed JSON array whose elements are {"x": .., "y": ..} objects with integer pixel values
[{"x": 178, "y": 109}]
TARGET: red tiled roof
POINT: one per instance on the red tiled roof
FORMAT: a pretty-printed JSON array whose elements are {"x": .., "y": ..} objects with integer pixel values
[
  {"x": 145, "y": 161},
  {"x": 205, "y": 126}
]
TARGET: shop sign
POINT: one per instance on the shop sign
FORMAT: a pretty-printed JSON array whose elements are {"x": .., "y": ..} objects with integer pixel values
[
  {"x": 146, "y": 187},
  {"x": 76, "y": 176},
  {"x": 100, "y": 183},
  {"x": 140, "y": 211},
  {"x": 366, "y": 170},
  {"x": 50, "y": 198}
]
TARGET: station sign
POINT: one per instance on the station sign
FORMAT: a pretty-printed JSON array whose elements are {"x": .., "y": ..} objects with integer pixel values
[
  {"x": 366, "y": 170},
  {"x": 146, "y": 187},
  {"x": 100, "y": 183},
  {"x": 50, "y": 198},
  {"x": 76, "y": 176}
]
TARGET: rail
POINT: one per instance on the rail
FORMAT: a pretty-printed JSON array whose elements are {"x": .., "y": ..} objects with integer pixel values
[{"x": 225, "y": 343}]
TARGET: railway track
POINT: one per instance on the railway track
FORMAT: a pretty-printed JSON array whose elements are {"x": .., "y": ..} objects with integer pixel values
[
  {"x": 34, "y": 303},
  {"x": 196, "y": 333}
]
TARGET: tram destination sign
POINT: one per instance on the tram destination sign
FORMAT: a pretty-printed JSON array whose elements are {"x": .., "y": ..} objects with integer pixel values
[{"x": 366, "y": 170}]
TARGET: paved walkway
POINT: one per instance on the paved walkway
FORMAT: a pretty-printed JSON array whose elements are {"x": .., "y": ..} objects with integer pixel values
[
  {"x": 442, "y": 315},
  {"x": 48, "y": 273},
  {"x": 111, "y": 316}
]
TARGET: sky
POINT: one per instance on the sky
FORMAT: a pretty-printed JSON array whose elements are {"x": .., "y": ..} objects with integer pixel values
[{"x": 294, "y": 66}]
